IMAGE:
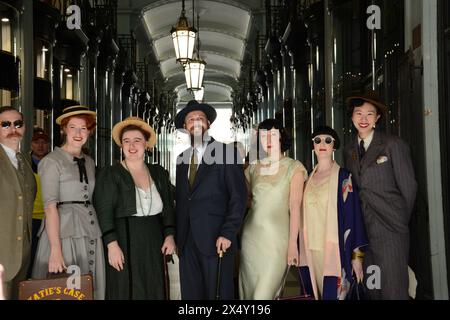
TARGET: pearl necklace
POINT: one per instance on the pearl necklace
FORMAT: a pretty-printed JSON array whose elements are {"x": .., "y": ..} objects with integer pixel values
[{"x": 139, "y": 193}]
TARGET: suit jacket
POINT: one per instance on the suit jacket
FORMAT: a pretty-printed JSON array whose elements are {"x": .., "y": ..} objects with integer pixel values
[
  {"x": 17, "y": 199},
  {"x": 118, "y": 181},
  {"x": 215, "y": 204},
  {"x": 385, "y": 177}
]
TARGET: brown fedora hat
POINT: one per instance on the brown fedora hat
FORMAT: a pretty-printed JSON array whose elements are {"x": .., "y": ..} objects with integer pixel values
[{"x": 370, "y": 96}]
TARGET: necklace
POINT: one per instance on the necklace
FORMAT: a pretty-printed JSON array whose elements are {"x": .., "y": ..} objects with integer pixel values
[{"x": 138, "y": 191}]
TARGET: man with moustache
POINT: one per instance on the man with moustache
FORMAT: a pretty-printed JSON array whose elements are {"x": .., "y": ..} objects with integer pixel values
[
  {"x": 17, "y": 192},
  {"x": 211, "y": 197}
]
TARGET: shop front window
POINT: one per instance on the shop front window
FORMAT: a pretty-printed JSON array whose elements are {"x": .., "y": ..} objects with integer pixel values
[
  {"x": 351, "y": 65},
  {"x": 42, "y": 51},
  {"x": 69, "y": 83},
  {"x": 9, "y": 56},
  {"x": 316, "y": 68},
  {"x": 365, "y": 59}
]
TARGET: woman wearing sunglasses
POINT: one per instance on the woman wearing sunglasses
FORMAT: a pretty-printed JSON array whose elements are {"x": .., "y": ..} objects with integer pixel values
[
  {"x": 270, "y": 230},
  {"x": 332, "y": 233}
]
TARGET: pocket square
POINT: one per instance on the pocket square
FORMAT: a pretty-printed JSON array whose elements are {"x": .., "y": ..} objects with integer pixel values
[{"x": 382, "y": 159}]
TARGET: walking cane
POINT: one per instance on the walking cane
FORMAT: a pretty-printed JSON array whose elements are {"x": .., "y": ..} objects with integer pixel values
[
  {"x": 219, "y": 271},
  {"x": 166, "y": 277}
]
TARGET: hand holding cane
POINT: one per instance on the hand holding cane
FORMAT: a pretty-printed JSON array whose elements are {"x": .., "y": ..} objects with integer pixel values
[
  {"x": 166, "y": 277},
  {"x": 219, "y": 271}
]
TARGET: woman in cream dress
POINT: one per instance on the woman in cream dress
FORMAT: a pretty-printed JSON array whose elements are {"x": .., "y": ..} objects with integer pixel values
[
  {"x": 270, "y": 230},
  {"x": 332, "y": 234}
]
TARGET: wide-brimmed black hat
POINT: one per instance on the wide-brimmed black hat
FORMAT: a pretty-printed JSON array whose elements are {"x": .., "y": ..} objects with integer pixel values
[
  {"x": 370, "y": 96},
  {"x": 326, "y": 130},
  {"x": 193, "y": 105}
]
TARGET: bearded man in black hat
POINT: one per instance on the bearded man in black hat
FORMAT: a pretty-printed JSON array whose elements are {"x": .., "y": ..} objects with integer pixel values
[{"x": 211, "y": 197}]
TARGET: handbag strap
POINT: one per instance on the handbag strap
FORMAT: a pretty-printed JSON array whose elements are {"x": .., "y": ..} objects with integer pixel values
[
  {"x": 280, "y": 290},
  {"x": 283, "y": 283}
]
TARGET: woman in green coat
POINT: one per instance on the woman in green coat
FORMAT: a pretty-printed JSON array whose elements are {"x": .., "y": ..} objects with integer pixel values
[{"x": 135, "y": 208}]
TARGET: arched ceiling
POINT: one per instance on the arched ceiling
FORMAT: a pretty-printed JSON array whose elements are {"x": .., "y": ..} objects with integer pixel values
[
  {"x": 224, "y": 29},
  {"x": 214, "y": 92}
]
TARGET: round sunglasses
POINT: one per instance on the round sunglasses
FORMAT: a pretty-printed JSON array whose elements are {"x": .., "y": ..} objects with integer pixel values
[
  {"x": 318, "y": 140},
  {"x": 17, "y": 124}
]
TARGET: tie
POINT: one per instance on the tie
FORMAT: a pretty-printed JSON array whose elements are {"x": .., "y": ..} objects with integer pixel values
[
  {"x": 81, "y": 168},
  {"x": 193, "y": 167},
  {"x": 20, "y": 164},
  {"x": 362, "y": 150}
]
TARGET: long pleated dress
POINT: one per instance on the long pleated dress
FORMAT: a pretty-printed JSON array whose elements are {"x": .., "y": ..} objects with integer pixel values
[
  {"x": 265, "y": 232},
  {"x": 79, "y": 230},
  {"x": 316, "y": 205},
  {"x": 139, "y": 230}
]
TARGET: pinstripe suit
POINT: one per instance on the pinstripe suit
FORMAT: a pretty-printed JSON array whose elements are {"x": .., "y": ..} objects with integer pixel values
[{"x": 385, "y": 177}]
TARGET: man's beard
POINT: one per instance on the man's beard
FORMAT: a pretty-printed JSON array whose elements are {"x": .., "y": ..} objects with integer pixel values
[{"x": 197, "y": 135}]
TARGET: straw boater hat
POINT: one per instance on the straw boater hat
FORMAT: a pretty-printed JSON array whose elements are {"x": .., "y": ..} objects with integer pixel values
[
  {"x": 372, "y": 97},
  {"x": 136, "y": 121},
  {"x": 193, "y": 105},
  {"x": 73, "y": 111}
]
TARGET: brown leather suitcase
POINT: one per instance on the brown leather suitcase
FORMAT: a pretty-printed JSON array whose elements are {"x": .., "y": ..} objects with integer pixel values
[{"x": 55, "y": 288}]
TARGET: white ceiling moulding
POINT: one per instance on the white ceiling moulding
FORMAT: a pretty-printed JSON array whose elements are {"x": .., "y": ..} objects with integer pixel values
[
  {"x": 213, "y": 92},
  {"x": 235, "y": 15},
  {"x": 179, "y": 80},
  {"x": 224, "y": 29},
  {"x": 163, "y": 47},
  {"x": 169, "y": 70}
]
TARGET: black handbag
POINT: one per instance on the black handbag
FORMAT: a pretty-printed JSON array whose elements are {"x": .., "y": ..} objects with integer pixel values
[{"x": 303, "y": 296}]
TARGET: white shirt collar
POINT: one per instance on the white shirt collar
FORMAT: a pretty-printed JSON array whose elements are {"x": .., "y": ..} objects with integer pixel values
[
  {"x": 367, "y": 140},
  {"x": 11, "y": 155}
]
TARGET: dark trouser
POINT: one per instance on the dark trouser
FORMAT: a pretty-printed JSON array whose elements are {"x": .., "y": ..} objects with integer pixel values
[
  {"x": 390, "y": 252},
  {"x": 34, "y": 242},
  {"x": 198, "y": 274}
]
